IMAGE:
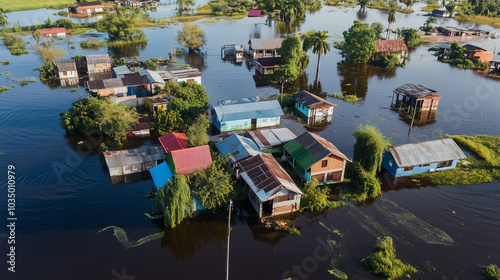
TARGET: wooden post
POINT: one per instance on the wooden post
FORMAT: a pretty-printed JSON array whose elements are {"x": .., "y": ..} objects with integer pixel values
[
  {"x": 413, "y": 117},
  {"x": 228, "y": 235}
]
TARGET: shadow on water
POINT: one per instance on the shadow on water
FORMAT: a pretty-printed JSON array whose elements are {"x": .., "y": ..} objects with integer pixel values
[
  {"x": 354, "y": 77},
  {"x": 282, "y": 29},
  {"x": 195, "y": 59},
  {"x": 127, "y": 50}
]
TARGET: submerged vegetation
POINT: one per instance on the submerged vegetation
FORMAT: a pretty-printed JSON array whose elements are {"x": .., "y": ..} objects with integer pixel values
[
  {"x": 383, "y": 261},
  {"x": 15, "y": 44},
  {"x": 351, "y": 98},
  {"x": 490, "y": 272},
  {"x": 92, "y": 44},
  {"x": 316, "y": 198}
]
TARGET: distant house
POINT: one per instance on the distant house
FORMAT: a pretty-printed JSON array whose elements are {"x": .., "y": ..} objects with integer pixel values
[
  {"x": 416, "y": 96},
  {"x": 127, "y": 86},
  {"x": 264, "y": 47},
  {"x": 54, "y": 32},
  {"x": 155, "y": 102},
  {"x": 440, "y": 13},
  {"x": 456, "y": 31},
  {"x": 121, "y": 70},
  {"x": 186, "y": 74},
  {"x": 271, "y": 138},
  {"x": 386, "y": 47},
  {"x": 255, "y": 13},
  {"x": 272, "y": 191},
  {"x": 173, "y": 141},
  {"x": 313, "y": 108},
  {"x": 137, "y": 3},
  {"x": 232, "y": 50},
  {"x": 267, "y": 65},
  {"x": 97, "y": 63},
  {"x": 189, "y": 160},
  {"x": 126, "y": 162},
  {"x": 314, "y": 157},
  {"x": 238, "y": 148},
  {"x": 429, "y": 156},
  {"x": 474, "y": 52},
  {"x": 87, "y": 8},
  {"x": 141, "y": 127},
  {"x": 252, "y": 115},
  {"x": 67, "y": 69}
]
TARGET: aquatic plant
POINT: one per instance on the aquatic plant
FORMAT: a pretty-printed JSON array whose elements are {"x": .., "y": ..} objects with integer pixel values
[
  {"x": 290, "y": 230},
  {"x": 121, "y": 235},
  {"x": 92, "y": 43},
  {"x": 3, "y": 88},
  {"x": 316, "y": 198},
  {"x": 351, "y": 98}
]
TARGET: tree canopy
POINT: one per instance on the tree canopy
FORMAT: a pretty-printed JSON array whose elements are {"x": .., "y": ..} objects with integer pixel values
[
  {"x": 192, "y": 36},
  {"x": 197, "y": 132},
  {"x": 184, "y": 6},
  {"x": 287, "y": 10},
  {"x": 293, "y": 58},
  {"x": 3, "y": 18},
  {"x": 122, "y": 25},
  {"x": 359, "y": 46},
  {"x": 391, "y": 18},
  {"x": 316, "y": 198},
  {"x": 316, "y": 40},
  {"x": 174, "y": 201},
  {"x": 370, "y": 147},
  {"x": 411, "y": 36}
]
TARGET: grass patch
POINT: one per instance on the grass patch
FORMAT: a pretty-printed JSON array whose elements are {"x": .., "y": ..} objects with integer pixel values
[
  {"x": 490, "y": 272},
  {"x": 9, "y": 5},
  {"x": 467, "y": 63},
  {"x": 92, "y": 43},
  {"x": 347, "y": 98},
  {"x": 121, "y": 43},
  {"x": 5, "y": 62},
  {"x": 25, "y": 81},
  {"x": 73, "y": 90},
  {"x": 483, "y": 168},
  {"x": 63, "y": 13},
  {"x": 77, "y": 31},
  {"x": 3, "y": 88},
  {"x": 6, "y": 73},
  {"x": 493, "y": 21},
  {"x": 431, "y": 7}
]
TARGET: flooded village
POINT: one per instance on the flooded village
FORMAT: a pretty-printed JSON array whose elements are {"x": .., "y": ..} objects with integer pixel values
[{"x": 223, "y": 136}]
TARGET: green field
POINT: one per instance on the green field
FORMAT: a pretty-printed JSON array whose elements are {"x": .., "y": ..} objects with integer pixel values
[{"x": 19, "y": 5}]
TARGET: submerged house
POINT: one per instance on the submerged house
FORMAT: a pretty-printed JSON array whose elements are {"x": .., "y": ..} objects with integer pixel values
[
  {"x": 133, "y": 85},
  {"x": 156, "y": 102},
  {"x": 312, "y": 156},
  {"x": 481, "y": 54},
  {"x": 67, "y": 70},
  {"x": 189, "y": 160},
  {"x": 255, "y": 13},
  {"x": 232, "y": 50},
  {"x": 313, "y": 108},
  {"x": 267, "y": 65},
  {"x": 264, "y": 47},
  {"x": 440, "y": 13},
  {"x": 272, "y": 191},
  {"x": 126, "y": 162},
  {"x": 237, "y": 147},
  {"x": 417, "y": 96},
  {"x": 428, "y": 156},
  {"x": 87, "y": 8},
  {"x": 54, "y": 32},
  {"x": 97, "y": 63},
  {"x": 173, "y": 141},
  {"x": 185, "y": 74},
  {"x": 251, "y": 115},
  {"x": 386, "y": 47}
]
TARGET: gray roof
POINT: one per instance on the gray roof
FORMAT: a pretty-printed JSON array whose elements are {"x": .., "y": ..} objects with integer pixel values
[
  {"x": 416, "y": 91},
  {"x": 308, "y": 99},
  {"x": 97, "y": 58},
  {"x": 266, "y": 44},
  {"x": 241, "y": 100},
  {"x": 426, "y": 152},
  {"x": 133, "y": 156},
  {"x": 185, "y": 72},
  {"x": 66, "y": 65},
  {"x": 238, "y": 147},
  {"x": 120, "y": 70},
  {"x": 253, "y": 110},
  {"x": 112, "y": 83}
]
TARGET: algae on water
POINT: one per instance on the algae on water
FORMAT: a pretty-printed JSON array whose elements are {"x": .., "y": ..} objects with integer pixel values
[{"x": 121, "y": 235}]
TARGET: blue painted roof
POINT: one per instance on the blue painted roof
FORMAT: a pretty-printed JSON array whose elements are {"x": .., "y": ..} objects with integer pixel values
[
  {"x": 119, "y": 70},
  {"x": 245, "y": 111},
  {"x": 161, "y": 174},
  {"x": 238, "y": 147}
]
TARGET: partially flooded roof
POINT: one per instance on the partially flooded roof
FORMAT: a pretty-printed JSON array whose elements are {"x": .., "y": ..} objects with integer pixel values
[
  {"x": 417, "y": 91},
  {"x": 426, "y": 152}
]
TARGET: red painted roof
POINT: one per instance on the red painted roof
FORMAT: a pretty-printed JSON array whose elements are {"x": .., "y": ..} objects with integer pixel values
[
  {"x": 173, "y": 141},
  {"x": 189, "y": 160},
  {"x": 53, "y": 30},
  {"x": 254, "y": 13}
]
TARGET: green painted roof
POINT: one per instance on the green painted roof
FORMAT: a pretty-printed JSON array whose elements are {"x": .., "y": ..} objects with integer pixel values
[{"x": 300, "y": 154}]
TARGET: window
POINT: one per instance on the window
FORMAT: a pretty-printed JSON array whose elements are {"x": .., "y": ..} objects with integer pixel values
[
  {"x": 190, "y": 80},
  {"x": 409, "y": 168},
  {"x": 324, "y": 163},
  {"x": 444, "y": 164},
  {"x": 425, "y": 165}
]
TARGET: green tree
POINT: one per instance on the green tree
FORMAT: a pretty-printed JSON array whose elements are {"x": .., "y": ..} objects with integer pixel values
[
  {"x": 291, "y": 53},
  {"x": 184, "y": 6},
  {"x": 359, "y": 46},
  {"x": 285, "y": 73},
  {"x": 457, "y": 51},
  {"x": 317, "y": 41},
  {"x": 411, "y": 36},
  {"x": 363, "y": 4},
  {"x": 121, "y": 26},
  {"x": 197, "y": 132},
  {"x": 393, "y": 8},
  {"x": 168, "y": 121},
  {"x": 408, "y": 3},
  {"x": 450, "y": 7},
  {"x": 213, "y": 185},
  {"x": 66, "y": 23},
  {"x": 378, "y": 28},
  {"x": 369, "y": 148},
  {"x": 490, "y": 272},
  {"x": 3, "y": 18},
  {"x": 174, "y": 201},
  {"x": 316, "y": 198},
  {"x": 428, "y": 24},
  {"x": 364, "y": 185},
  {"x": 190, "y": 100},
  {"x": 191, "y": 36}
]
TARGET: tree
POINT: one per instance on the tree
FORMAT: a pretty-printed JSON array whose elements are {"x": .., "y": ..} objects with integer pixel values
[
  {"x": 411, "y": 36},
  {"x": 457, "y": 51},
  {"x": 317, "y": 41},
  {"x": 393, "y": 8},
  {"x": 369, "y": 148},
  {"x": 428, "y": 24},
  {"x": 316, "y": 198},
  {"x": 192, "y": 37},
  {"x": 378, "y": 28},
  {"x": 213, "y": 185},
  {"x": 197, "y": 132},
  {"x": 174, "y": 201},
  {"x": 3, "y": 18},
  {"x": 51, "y": 54},
  {"x": 291, "y": 53},
  {"x": 190, "y": 100},
  {"x": 450, "y": 7},
  {"x": 408, "y": 3},
  {"x": 363, "y": 4},
  {"x": 168, "y": 121},
  {"x": 359, "y": 46},
  {"x": 184, "y": 6},
  {"x": 364, "y": 185}
]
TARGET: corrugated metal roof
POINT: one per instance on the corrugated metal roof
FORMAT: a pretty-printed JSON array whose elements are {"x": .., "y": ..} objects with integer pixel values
[
  {"x": 266, "y": 177},
  {"x": 189, "y": 160},
  {"x": 264, "y": 138},
  {"x": 470, "y": 47},
  {"x": 185, "y": 72},
  {"x": 240, "y": 100},
  {"x": 254, "y": 110},
  {"x": 238, "y": 147},
  {"x": 156, "y": 78},
  {"x": 97, "y": 58},
  {"x": 134, "y": 80},
  {"x": 310, "y": 100},
  {"x": 133, "y": 156},
  {"x": 161, "y": 174},
  {"x": 284, "y": 134},
  {"x": 396, "y": 45},
  {"x": 173, "y": 141},
  {"x": 84, "y": 4},
  {"x": 112, "y": 83},
  {"x": 120, "y": 70},
  {"x": 426, "y": 152},
  {"x": 45, "y": 31},
  {"x": 160, "y": 99},
  {"x": 309, "y": 148},
  {"x": 417, "y": 91},
  {"x": 95, "y": 85},
  {"x": 66, "y": 66},
  {"x": 266, "y": 44}
]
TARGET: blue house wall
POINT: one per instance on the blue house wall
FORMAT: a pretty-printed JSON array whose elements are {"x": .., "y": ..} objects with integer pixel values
[
  {"x": 390, "y": 165},
  {"x": 303, "y": 109}
]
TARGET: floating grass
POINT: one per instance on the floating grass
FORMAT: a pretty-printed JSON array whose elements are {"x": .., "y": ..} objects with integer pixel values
[{"x": 3, "y": 88}]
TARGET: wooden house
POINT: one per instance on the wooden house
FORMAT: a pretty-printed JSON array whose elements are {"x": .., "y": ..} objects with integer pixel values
[
  {"x": 416, "y": 96},
  {"x": 428, "y": 156},
  {"x": 264, "y": 47},
  {"x": 186, "y": 74},
  {"x": 255, "y": 13},
  {"x": 54, "y": 32},
  {"x": 97, "y": 63},
  {"x": 386, "y": 47},
  {"x": 237, "y": 147},
  {"x": 253, "y": 115},
  {"x": 67, "y": 69},
  {"x": 272, "y": 191},
  {"x": 474, "y": 52},
  {"x": 267, "y": 65},
  {"x": 269, "y": 139},
  {"x": 155, "y": 102},
  {"x": 313, "y": 108},
  {"x": 126, "y": 162},
  {"x": 440, "y": 13},
  {"x": 173, "y": 141},
  {"x": 314, "y": 157},
  {"x": 189, "y": 160},
  {"x": 232, "y": 51},
  {"x": 137, "y": 85},
  {"x": 87, "y": 8}
]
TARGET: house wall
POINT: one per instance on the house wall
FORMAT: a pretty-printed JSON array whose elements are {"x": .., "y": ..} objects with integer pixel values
[
  {"x": 256, "y": 203},
  {"x": 390, "y": 165},
  {"x": 265, "y": 122},
  {"x": 303, "y": 109},
  {"x": 68, "y": 74},
  {"x": 334, "y": 165},
  {"x": 484, "y": 57},
  {"x": 100, "y": 67},
  {"x": 321, "y": 111},
  {"x": 262, "y": 53},
  {"x": 235, "y": 125},
  {"x": 287, "y": 206},
  {"x": 193, "y": 79},
  {"x": 106, "y": 92},
  {"x": 429, "y": 104}
]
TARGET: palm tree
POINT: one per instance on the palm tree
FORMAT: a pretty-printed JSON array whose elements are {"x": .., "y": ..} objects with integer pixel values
[
  {"x": 317, "y": 41},
  {"x": 393, "y": 7}
]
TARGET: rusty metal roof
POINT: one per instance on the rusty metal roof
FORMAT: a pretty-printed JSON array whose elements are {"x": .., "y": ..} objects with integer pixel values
[
  {"x": 396, "y": 45},
  {"x": 264, "y": 138},
  {"x": 45, "y": 31},
  {"x": 266, "y": 177},
  {"x": 310, "y": 100},
  {"x": 417, "y": 91},
  {"x": 173, "y": 141},
  {"x": 185, "y": 72},
  {"x": 97, "y": 58},
  {"x": 66, "y": 66},
  {"x": 426, "y": 152}
]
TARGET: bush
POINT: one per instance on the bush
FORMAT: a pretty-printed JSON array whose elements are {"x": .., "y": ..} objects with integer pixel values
[
  {"x": 490, "y": 272},
  {"x": 18, "y": 51},
  {"x": 364, "y": 185},
  {"x": 387, "y": 61},
  {"x": 92, "y": 44},
  {"x": 316, "y": 198},
  {"x": 47, "y": 71}
]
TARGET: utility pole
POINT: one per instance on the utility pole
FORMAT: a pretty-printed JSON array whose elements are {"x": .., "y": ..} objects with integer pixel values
[{"x": 228, "y": 235}]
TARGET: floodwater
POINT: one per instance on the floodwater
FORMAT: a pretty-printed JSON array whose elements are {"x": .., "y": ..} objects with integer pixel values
[{"x": 64, "y": 194}]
